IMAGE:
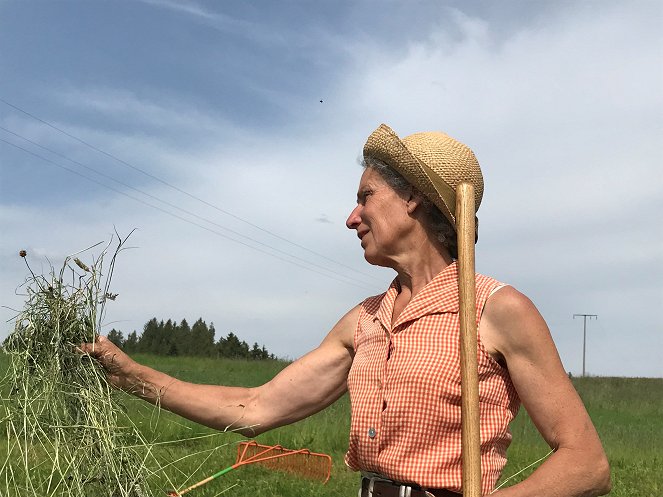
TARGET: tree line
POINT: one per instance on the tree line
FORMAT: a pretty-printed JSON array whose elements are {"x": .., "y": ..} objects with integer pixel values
[{"x": 172, "y": 339}]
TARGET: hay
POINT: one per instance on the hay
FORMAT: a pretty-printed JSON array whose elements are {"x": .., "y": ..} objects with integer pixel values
[{"x": 66, "y": 431}]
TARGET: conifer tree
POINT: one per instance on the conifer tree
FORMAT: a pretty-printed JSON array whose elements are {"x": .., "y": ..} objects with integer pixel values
[
  {"x": 131, "y": 343},
  {"x": 116, "y": 337}
]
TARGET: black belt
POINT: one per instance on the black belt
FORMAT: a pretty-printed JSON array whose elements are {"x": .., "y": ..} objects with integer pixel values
[{"x": 376, "y": 487}]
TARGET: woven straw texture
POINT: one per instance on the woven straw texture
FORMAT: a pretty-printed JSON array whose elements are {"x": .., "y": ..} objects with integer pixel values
[{"x": 431, "y": 161}]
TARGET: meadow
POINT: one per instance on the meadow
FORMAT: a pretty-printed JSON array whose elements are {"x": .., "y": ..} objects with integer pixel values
[{"x": 628, "y": 414}]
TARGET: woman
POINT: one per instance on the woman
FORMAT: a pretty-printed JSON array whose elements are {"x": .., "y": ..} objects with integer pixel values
[{"x": 396, "y": 353}]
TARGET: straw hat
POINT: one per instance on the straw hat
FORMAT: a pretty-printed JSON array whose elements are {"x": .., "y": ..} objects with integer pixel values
[{"x": 431, "y": 161}]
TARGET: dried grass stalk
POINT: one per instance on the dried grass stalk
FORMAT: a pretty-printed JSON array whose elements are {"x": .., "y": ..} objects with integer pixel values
[{"x": 67, "y": 434}]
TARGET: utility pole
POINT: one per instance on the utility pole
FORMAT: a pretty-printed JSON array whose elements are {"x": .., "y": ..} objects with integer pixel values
[{"x": 584, "y": 335}]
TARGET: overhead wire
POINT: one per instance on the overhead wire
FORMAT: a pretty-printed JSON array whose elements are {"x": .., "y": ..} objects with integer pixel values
[
  {"x": 333, "y": 276},
  {"x": 153, "y": 197},
  {"x": 180, "y": 190}
]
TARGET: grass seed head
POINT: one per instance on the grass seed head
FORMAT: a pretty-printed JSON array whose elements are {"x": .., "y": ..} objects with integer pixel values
[{"x": 81, "y": 265}]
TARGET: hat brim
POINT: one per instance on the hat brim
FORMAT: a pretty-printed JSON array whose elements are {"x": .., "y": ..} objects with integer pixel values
[{"x": 385, "y": 145}]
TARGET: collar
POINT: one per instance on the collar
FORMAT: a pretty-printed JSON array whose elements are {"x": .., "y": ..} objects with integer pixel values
[{"x": 440, "y": 295}]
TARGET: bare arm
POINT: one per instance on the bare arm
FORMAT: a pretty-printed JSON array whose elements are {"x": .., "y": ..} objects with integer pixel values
[
  {"x": 305, "y": 387},
  {"x": 512, "y": 329}
]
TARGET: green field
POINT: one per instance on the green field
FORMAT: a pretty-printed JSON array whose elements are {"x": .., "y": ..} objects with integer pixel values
[{"x": 628, "y": 413}]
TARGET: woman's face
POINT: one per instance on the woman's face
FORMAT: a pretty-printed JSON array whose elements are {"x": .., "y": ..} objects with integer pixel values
[{"x": 381, "y": 219}]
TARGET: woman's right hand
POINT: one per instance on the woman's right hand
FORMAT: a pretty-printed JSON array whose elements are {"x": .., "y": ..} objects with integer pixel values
[{"x": 120, "y": 368}]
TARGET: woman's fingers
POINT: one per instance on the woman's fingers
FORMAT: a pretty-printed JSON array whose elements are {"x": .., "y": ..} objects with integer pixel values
[
  {"x": 121, "y": 370},
  {"x": 109, "y": 356}
]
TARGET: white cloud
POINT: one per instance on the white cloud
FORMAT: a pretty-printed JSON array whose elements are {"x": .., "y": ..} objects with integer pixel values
[{"x": 564, "y": 114}]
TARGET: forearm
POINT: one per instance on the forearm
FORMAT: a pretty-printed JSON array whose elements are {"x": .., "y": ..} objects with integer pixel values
[
  {"x": 303, "y": 388},
  {"x": 219, "y": 407},
  {"x": 566, "y": 473}
]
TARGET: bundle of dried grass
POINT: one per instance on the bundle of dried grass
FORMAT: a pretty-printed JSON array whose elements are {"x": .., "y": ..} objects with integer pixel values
[{"x": 66, "y": 431}]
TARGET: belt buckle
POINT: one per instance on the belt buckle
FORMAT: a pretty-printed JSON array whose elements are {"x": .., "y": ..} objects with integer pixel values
[
  {"x": 371, "y": 484},
  {"x": 403, "y": 490}
]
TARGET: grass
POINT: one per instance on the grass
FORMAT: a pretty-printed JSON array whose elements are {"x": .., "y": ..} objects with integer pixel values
[
  {"x": 628, "y": 413},
  {"x": 325, "y": 432}
]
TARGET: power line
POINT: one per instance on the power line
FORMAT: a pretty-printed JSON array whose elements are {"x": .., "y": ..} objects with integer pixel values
[
  {"x": 184, "y": 192},
  {"x": 350, "y": 282},
  {"x": 185, "y": 211}
]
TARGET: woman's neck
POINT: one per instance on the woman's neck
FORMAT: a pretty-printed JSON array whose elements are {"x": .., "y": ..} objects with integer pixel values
[{"x": 414, "y": 275}]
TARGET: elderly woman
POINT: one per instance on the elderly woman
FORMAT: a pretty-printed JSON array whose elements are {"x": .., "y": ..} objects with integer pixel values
[{"x": 397, "y": 353}]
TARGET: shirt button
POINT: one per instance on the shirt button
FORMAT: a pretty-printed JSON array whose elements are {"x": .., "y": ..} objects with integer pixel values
[{"x": 371, "y": 432}]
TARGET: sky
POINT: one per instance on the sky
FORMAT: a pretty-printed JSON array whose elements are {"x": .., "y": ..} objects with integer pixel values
[{"x": 225, "y": 137}]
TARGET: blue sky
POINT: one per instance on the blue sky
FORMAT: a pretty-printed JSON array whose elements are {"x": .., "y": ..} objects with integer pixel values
[{"x": 211, "y": 111}]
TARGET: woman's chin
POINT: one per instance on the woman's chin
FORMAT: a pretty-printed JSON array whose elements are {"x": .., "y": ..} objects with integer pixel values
[{"x": 375, "y": 259}]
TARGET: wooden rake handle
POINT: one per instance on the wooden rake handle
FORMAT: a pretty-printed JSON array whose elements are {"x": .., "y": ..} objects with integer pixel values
[{"x": 471, "y": 440}]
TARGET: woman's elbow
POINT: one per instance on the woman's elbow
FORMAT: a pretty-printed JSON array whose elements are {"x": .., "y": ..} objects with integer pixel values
[{"x": 603, "y": 484}]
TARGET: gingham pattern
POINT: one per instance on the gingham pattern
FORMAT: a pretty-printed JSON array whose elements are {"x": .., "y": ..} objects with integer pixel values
[{"x": 404, "y": 389}]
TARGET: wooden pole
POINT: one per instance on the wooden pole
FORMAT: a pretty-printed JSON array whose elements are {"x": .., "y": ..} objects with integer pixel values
[{"x": 471, "y": 441}]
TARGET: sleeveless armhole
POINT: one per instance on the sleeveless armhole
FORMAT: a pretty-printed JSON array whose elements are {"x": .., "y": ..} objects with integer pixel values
[
  {"x": 492, "y": 292},
  {"x": 498, "y": 287},
  {"x": 479, "y": 339}
]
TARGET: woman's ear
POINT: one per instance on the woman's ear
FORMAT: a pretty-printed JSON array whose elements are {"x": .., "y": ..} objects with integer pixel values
[{"x": 414, "y": 200}]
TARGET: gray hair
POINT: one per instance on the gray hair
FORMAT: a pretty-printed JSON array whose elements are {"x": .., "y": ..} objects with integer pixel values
[{"x": 434, "y": 221}]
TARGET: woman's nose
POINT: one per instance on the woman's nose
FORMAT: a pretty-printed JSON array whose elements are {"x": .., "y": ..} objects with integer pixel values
[{"x": 354, "y": 218}]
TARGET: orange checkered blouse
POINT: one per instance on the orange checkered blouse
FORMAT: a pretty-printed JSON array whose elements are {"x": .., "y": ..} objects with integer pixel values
[{"x": 404, "y": 389}]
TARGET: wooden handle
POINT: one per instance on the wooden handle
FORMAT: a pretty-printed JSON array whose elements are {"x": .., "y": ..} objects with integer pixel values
[{"x": 471, "y": 440}]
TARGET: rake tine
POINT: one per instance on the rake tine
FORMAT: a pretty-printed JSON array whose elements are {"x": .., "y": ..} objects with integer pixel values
[{"x": 258, "y": 457}]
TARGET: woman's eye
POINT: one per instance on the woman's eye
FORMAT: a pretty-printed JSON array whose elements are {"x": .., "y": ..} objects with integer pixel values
[{"x": 361, "y": 197}]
